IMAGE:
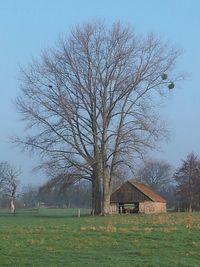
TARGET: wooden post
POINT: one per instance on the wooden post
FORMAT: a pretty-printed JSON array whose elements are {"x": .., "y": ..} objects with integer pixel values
[
  {"x": 79, "y": 213},
  {"x": 120, "y": 208}
]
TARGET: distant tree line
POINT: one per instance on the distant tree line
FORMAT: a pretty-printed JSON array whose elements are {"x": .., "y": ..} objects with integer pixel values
[
  {"x": 180, "y": 187},
  {"x": 76, "y": 195}
]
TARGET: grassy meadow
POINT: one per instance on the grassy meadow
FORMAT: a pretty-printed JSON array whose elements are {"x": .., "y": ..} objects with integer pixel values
[{"x": 49, "y": 237}]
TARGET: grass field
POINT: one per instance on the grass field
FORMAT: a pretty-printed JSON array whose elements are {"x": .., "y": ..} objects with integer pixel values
[{"x": 49, "y": 237}]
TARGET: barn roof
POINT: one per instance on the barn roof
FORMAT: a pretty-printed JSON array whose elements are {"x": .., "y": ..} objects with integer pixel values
[{"x": 146, "y": 190}]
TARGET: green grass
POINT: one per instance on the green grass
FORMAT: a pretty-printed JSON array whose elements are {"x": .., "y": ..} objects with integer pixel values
[{"x": 49, "y": 237}]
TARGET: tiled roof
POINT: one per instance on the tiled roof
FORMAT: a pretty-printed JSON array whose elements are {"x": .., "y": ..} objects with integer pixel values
[{"x": 147, "y": 191}]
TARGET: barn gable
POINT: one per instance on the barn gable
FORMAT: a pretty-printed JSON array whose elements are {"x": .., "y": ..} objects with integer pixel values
[
  {"x": 147, "y": 191},
  {"x": 128, "y": 193}
]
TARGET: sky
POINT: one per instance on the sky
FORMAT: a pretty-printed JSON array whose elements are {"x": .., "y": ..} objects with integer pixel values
[{"x": 28, "y": 26}]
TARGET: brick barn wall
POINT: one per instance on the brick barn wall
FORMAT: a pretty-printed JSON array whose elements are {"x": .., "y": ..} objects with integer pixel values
[
  {"x": 114, "y": 208},
  {"x": 144, "y": 207},
  {"x": 152, "y": 207}
]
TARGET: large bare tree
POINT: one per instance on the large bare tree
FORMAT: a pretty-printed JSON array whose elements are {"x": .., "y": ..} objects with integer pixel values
[{"x": 89, "y": 103}]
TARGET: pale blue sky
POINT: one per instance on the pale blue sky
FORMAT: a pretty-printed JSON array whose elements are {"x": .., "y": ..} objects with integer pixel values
[{"x": 27, "y": 26}]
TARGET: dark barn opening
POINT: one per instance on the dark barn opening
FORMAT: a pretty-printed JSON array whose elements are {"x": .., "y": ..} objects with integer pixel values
[{"x": 128, "y": 207}]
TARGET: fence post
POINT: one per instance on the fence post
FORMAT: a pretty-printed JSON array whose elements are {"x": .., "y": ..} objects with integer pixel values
[
  {"x": 120, "y": 208},
  {"x": 79, "y": 213}
]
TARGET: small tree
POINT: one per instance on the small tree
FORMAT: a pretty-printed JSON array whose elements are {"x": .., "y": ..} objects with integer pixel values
[
  {"x": 9, "y": 182},
  {"x": 188, "y": 183}
]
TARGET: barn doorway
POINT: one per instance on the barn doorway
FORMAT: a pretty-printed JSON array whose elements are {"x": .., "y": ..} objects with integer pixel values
[{"x": 128, "y": 207}]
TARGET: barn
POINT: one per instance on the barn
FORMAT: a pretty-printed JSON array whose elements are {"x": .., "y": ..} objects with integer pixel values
[{"x": 135, "y": 197}]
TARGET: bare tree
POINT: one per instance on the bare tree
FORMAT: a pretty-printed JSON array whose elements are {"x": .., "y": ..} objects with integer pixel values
[
  {"x": 188, "y": 183},
  {"x": 156, "y": 173},
  {"x": 89, "y": 103},
  {"x": 9, "y": 182}
]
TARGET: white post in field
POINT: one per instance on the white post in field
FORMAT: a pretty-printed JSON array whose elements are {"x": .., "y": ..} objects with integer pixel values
[{"x": 79, "y": 213}]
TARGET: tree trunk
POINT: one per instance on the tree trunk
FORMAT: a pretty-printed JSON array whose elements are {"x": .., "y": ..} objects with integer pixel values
[
  {"x": 96, "y": 196},
  {"x": 106, "y": 204},
  {"x": 12, "y": 207},
  {"x": 106, "y": 196},
  {"x": 190, "y": 199}
]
